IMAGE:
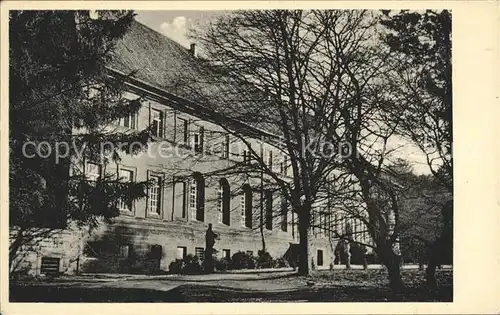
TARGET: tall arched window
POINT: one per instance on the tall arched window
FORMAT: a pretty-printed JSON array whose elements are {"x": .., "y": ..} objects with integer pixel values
[
  {"x": 246, "y": 206},
  {"x": 224, "y": 201},
  {"x": 197, "y": 197},
  {"x": 269, "y": 209},
  {"x": 284, "y": 213}
]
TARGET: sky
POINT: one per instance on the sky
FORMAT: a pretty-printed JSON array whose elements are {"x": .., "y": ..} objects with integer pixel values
[{"x": 175, "y": 24}]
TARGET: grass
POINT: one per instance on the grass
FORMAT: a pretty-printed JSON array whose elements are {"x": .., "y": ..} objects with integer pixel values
[{"x": 336, "y": 286}]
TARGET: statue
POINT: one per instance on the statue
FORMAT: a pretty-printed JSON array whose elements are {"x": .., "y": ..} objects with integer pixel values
[{"x": 210, "y": 237}]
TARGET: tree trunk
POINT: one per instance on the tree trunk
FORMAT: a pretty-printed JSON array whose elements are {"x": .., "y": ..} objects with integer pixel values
[
  {"x": 303, "y": 250},
  {"x": 392, "y": 262},
  {"x": 347, "y": 254},
  {"x": 394, "y": 270},
  {"x": 15, "y": 246},
  {"x": 430, "y": 272}
]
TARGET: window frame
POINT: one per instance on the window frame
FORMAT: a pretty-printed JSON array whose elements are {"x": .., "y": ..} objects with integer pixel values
[
  {"x": 155, "y": 214},
  {"x": 132, "y": 121},
  {"x": 284, "y": 214},
  {"x": 159, "y": 132},
  {"x": 248, "y": 199},
  {"x": 196, "y": 180},
  {"x": 224, "y": 202},
  {"x": 100, "y": 170},
  {"x": 184, "y": 252},
  {"x": 269, "y": 210},
  {"x": 183, "y": 137},
  {"x": 133, "y": 171}
]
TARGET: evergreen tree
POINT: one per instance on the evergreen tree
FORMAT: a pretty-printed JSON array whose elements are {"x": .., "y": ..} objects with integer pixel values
[
  {"x": 63, "y": 102},
  {"x": 422, "y": 77}
]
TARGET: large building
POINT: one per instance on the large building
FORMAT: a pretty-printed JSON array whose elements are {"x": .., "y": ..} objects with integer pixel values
[{"x": 188, "y": 193}]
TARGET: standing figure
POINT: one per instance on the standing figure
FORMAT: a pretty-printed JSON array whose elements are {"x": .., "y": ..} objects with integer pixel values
[{"x": 210, "y": 237}]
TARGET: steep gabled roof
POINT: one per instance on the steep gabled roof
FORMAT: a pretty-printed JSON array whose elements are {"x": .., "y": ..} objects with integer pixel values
[
  {"x": 157, "y": 59},
  {"x": 162, "y": 63}
]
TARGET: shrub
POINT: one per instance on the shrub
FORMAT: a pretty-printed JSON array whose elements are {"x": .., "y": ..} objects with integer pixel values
[
  {"x": 222, "y": 264},
  {"x": 281, "y": 263},
  {"x": 372, "y": 258},
  {"x": 264, "y": 260},
  {"x": 358, "y": 253},
  {"x": 176, "y": 266},
  {"x": 242, "y": 260},
  {"x": 191, "y": 265}
]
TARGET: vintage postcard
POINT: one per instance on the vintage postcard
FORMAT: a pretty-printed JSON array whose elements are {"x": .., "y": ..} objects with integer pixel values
[{"x": 171, "y": 154}]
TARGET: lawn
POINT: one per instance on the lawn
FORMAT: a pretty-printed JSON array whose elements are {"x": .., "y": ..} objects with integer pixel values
[{"x": 329, "y": 286}]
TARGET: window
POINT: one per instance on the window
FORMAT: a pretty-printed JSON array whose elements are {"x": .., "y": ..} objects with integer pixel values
[
  {"x": 319, "y": 257},
  {"x": 180, "y": 198},
  {"x": 192, "y": 197},
  {"x": 224, "y": 202},
  {"x": 93, "y": 171},
  {"x": 156, "y": 123},
  {"x": 197, "y": 141},
  {"x": 226, "y": 253},
  {"x": 124, "y": 251},
  {"x": 128, "y": 121},
  {"x": 336, "y": 224},
  {"x": 219, "y": 204},
  {"x": 322, "y": 223},
  {"x": 242, "y": 207},
  {"x": 197, "y": 197},
  {"x": 50, "y": 265},
  {"x": 126, "y": 176},
  {"x": 200, "y": 253},
  {"x": 247, "y": 206},
  {"x": 283, "y": 166},
  {"x": 181, "y": 252},
  {"x": 313, "y": 221},
  {"x": 156, "y": 251},
  {"x": 246, "y": 156},
  {"x": 225, "y": 147},
  {"x": 269, "y": 209},
  {"x": 95, "y": 249},
  {"x": 270, "y": 159},
  {"x": 154, "y": 195},
  {"x": 182, "y": 133},
  {"x": 284, "y": 214}
]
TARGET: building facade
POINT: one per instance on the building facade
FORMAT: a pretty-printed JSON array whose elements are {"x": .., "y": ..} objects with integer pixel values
[{"x": 187, "y": 192}]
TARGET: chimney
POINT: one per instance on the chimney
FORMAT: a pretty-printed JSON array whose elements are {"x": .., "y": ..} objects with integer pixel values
[{"x": 192, "y": 49}]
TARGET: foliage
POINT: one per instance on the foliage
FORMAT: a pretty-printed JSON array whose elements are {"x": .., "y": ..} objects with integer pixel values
[
  {"x": 358, "y": 254},
  {"x": 189, "y": 265},
  {"x": 242, "y": 260},
  {"x": 307, "y": 77},
  {"x": 60, "y": 92},
  {"x": 421, "y": 43},
  {"x": 176, "y": 266},
  {"x": 264, "y": 260},
  {"x": 222, "y": 264},
  {"x": 280, "y": 263}
]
